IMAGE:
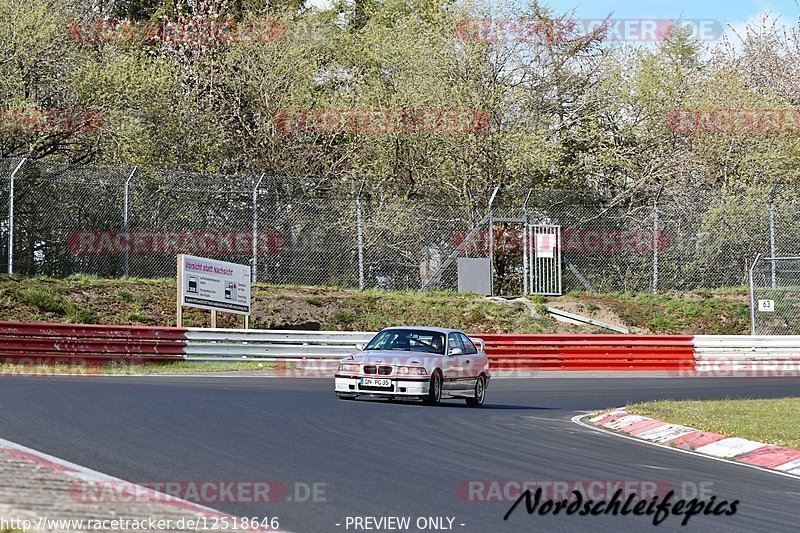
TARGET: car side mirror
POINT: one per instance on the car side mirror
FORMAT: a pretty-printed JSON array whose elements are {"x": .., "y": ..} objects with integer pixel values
[
  {"x": 360, "y": 347},
  {"x": 456, "y": 351}
]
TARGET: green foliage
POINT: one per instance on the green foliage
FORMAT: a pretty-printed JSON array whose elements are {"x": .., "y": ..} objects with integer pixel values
[
  {"x": 578, "y": 114},
  {"x": 42, "y": 299},
  {"x": 76, "y": 314},
  {"x": 126, "y": 296}
]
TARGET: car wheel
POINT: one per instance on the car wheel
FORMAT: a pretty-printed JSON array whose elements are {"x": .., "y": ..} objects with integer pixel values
[
  {"x": 342, "y": 396},
  {"x": 480, "y": 393},
  {"x": 435, "y": 389}
]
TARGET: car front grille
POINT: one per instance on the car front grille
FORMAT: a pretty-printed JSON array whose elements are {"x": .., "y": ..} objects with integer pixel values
[
  {"x": 370, "y": 369},
  {"x": 384, "y": 370}
]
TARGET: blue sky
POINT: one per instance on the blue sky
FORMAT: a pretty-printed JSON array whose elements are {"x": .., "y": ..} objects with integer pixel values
[{"x": 730, "y": 11}]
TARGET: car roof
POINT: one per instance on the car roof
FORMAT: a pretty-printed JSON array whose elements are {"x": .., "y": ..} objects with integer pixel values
[{"x": 426, "y": 328}]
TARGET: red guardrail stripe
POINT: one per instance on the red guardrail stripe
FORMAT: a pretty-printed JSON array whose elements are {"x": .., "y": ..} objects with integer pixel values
[
  {"x": 9, "y": 345},
  {"x": 66, "y": 357},
  {"x": 590, "y": 352},
  {"x": 27, "y": 340},
  {"x": 83, "y": 331},
  {"x": 599, "y": 336},
  {"x": 590, "y": 349},
  {"x": 589, "y": 342}
]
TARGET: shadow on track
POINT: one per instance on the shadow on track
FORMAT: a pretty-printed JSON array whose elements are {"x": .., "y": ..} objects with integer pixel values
[{"x": 455, "y": 404}]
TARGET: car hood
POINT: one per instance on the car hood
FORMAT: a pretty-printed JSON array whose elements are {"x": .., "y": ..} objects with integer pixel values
[{"x": 396, "y": 357}]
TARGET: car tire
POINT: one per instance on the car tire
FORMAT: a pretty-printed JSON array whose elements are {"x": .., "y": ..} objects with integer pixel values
[
  {"x": 435, "y": 389},
  {"x": 480, "y": 393},
  {"x": 343, "y": 396}
]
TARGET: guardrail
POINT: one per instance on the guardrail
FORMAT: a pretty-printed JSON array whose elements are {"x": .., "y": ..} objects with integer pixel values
[
  {"x": 699, "y": 355},
  {"x": 70, "y": 342},
  {"x": 590, "y": 352}
]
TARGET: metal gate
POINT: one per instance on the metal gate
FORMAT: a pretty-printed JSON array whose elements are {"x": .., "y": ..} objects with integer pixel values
[{"x": 542, "y": 256}]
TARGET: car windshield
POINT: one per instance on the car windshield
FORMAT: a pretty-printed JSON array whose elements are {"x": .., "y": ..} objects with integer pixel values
[{"x": 409, "y": 340}]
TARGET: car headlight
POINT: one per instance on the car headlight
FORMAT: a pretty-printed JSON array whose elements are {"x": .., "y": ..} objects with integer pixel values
[
  {"x": 345, "y": 367},
  {"x": 412, "y": 370}
]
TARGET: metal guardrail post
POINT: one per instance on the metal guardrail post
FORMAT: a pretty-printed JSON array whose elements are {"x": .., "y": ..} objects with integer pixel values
[
  {"x": 360, "y": 236},
  {"x": 254, "y": 270},
  {"x": 125, "y": 221},
  {"x": 753, "y": 297},
  {"x": 11, "y": 217}
]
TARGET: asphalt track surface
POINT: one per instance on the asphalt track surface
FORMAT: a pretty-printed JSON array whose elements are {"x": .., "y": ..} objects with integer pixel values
[{"x": 378, "y": 458}]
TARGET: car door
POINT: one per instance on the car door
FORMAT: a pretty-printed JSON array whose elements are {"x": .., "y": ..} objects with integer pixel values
[
  {"x": 456, "y": 364},
  {"x": 474, "y": 362}
]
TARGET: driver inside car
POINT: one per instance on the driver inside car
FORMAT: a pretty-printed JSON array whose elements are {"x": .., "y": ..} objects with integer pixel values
[{"x": 436, "y": 343}]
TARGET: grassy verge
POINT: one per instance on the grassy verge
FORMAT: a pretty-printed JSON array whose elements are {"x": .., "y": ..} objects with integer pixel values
[
  {"x": 177, "y": 367},
  {"x": 132, "y": 301},
  {"x": 769, "y": 421},
  {"x": 702, "y": 312}
]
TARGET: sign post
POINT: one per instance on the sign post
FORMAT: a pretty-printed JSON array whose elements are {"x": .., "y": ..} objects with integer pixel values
[{"x": 213, "y": 285}]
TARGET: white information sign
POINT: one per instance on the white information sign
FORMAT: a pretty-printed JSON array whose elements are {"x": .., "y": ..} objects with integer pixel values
[
  {"x": 545, "y": 245},
  {"x": 766, "y": 306},
  {"x": 214, "y": 285}
]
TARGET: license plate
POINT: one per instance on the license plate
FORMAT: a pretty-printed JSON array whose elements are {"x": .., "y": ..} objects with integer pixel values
[{"x": 371, "y": 382}]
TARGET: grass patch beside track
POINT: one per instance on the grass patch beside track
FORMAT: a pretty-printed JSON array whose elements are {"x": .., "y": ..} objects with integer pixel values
[
  {"x": 771, "y": 421},
  {"x": 701, "y": 312},
  {"x": 177, "y": 367}
]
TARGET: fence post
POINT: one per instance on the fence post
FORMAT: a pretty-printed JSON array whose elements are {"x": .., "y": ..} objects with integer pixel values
[
  {"x": 655, "y": 241},
  {"x": 772, "y": 234},
  {"x": 254, "y": 271},
  {"x": 360, "y": 234},
  {"x": 525, "y": 265},
  {"x": 753, "y": 296},
  {"x": 11, "y": 217},
  {"x": 125, "y": 221},
  {"x": 491, "y": 242}
]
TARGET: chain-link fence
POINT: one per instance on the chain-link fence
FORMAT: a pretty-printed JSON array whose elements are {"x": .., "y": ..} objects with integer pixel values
[
  {"x": 775, "y": 295},
  {"x": 116, "y": 221}
]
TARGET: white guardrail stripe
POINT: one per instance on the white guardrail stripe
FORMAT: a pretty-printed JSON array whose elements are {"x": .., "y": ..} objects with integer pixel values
[
  {"x": 271, "y": 335},
  {"x": 274, "y": 345},
  {"x": 742, "y": 351},
  {"x": 270, "y": 345}
]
